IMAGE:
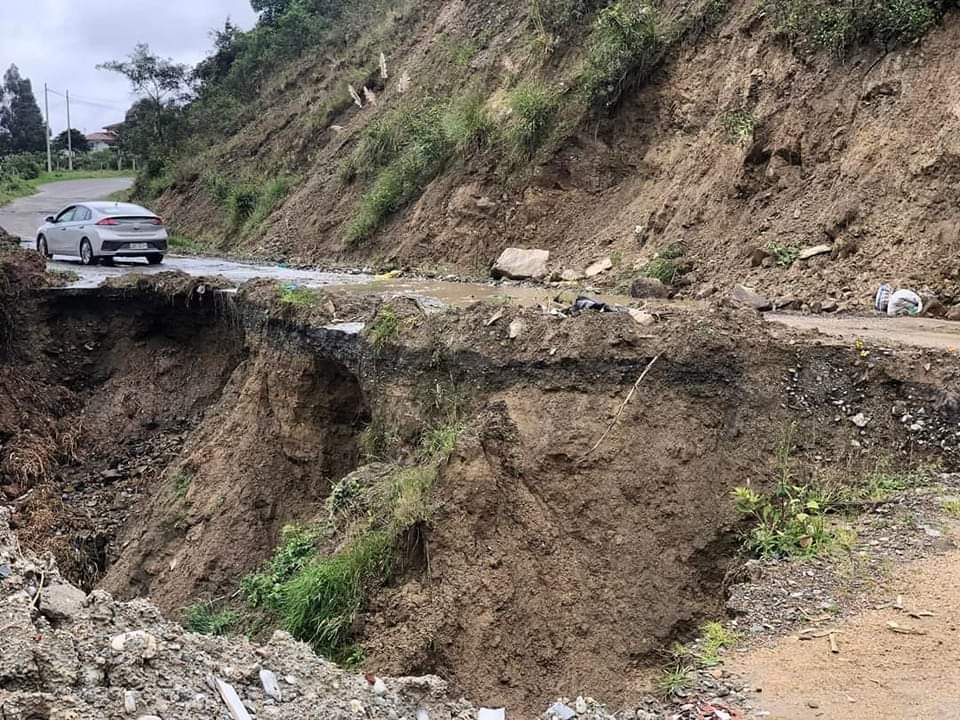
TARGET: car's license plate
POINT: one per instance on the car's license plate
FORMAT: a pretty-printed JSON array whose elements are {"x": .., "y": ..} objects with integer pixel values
[{"x": 137, "y": 246}]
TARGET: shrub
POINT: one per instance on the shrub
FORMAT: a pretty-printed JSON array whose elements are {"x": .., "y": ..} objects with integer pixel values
[
  {"x": 204, "y": 619},
  {"x": 297, "y": 546},
  {"x": 533, "y": 109},
  {"x": 625, "y": 41},
  {"x": 665, "y": 266},
  {"x": 785, "y": 255},
  {"x": 243, "y": 202},
  {"x": 738, "y": 126},
  {"x": 219, "y": 187}
]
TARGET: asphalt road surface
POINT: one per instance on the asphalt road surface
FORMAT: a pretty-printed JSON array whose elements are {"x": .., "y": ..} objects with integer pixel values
[{"x": 23, "y": 216}]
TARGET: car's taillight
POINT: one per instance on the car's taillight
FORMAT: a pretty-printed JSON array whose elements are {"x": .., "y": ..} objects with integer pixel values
[
  {"x": 107, "y": 221},
  {"x": 156, "y": 221}
]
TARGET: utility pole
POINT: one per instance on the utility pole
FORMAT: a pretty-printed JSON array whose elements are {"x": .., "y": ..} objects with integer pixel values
[
  {"x": 46, "y": 109},
  {"x": 69, "y": 136}
]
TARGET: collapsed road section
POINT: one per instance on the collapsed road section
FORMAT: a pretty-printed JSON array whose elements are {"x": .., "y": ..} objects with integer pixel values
[{"x": 519, "y": 502}]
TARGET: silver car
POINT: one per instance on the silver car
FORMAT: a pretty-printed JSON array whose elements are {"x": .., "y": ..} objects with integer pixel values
[{"x": 101, "y": 231}]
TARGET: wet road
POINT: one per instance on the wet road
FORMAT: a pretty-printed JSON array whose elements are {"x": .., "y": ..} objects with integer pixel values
[{"x": 23, "y": 217}]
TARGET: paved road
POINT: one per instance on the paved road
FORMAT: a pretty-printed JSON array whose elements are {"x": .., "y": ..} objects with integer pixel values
[{"x": 22, "y": 217}]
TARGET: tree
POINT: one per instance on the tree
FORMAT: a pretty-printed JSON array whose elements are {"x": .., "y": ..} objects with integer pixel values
[
  {"x": 77, "y": 138},
  {"x": 161, "y": 82},
  {"x": 270, "y": 10},
  {"x": 21, "y": 123}
]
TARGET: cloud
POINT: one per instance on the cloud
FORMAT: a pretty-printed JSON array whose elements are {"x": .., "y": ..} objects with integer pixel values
[{"x": 61, "y": 42}]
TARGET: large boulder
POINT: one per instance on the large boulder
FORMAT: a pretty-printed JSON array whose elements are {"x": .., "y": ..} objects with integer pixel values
[
  {"x": 519, "y": 264},
  {"x": 648, "y": 287}
]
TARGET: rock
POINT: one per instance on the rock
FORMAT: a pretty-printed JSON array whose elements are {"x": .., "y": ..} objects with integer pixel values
[
  {"x": 860, "y": 420},
  {"x": 600, "y": 266},
  {"x": 129, "y": 702},
  {"x": 810, "y": 252},
  {"x": 647, "y": 287},
  {"x": 60, "y": 603},
  {"x": 844, "y": 247},
  {"x": 787, "y": 302},
  {"x": 271, "y": 687},
  {"x": 706, "y": 291},
  {"x": 757, "y": 256},
  {"x": 932, "y": 307},
  {"x": 768, "y": 262},
  {"x": 148, "y": 717},
  {"x": 644, "y": 319},
  {"x": 743, "y": 296},
  {"x": 138, "y": 642},
  {"x": 953, "y": 314},
  {"x": 516, "y": 328},
  {"x": 829, "y": 306},
  {"x": 571, "y": 275},
  {"x": 520, "y": 264},
  {"x": 560, "y": 711}
]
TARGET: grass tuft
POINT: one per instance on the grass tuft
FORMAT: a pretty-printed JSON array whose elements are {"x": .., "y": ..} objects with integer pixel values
[
  {"x": 533, "y": 109},
  {"x": 625, "y": 42},
  {"x": 738, "y": 126},
  {"x": 715, "y": 637},
  {"x": 203, "y": 618},
  {"x": 385, "y": 329}
]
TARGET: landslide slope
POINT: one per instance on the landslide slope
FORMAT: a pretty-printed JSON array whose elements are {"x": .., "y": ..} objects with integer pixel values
[{"x": 595, "y": 129}]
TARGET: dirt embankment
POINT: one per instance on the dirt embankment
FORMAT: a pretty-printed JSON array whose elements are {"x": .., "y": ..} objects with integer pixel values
[
  {"x": 859, "y": 153},
  {"x": 553, "y": 564}
]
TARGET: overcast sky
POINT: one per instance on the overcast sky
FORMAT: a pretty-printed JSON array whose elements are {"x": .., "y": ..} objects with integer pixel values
[{"x": 61, "y": 42}]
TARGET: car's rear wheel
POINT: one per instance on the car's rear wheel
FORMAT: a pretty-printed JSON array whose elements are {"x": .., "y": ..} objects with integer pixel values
[
  {"x": 154, "y": 259},
  {"x": 42, "y": 247},
  {"x": 86, "y": 253}
]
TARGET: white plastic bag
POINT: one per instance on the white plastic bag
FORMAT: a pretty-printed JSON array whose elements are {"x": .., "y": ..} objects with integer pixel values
[{"x": 904, "y": 302}]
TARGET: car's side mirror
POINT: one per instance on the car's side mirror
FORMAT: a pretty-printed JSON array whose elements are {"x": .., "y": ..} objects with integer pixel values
[{"x": 50, "y": 219}]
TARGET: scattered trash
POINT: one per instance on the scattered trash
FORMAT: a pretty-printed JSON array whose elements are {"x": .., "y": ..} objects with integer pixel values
[
  {"x": 5, "y": 571},
  {"x": 377, "y": 686},
  {"x": 489, "y": 714},
  {"x": 583, "y": 303},
  {"x": 810, "y": 252},
  {"x": 422, "y": 714},
  {"x": 516, "y": 327},
  {"x": 899, "y": 303}
]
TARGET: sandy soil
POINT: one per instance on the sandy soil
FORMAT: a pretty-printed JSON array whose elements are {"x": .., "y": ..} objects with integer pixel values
[{"x": 878, "y": 673}]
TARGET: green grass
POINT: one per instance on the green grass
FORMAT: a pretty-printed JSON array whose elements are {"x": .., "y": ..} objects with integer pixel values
[
  {"x": 320, "y": 603},
  {"x": 181, "y": 483},
  {"x": 715, "y": 637},
  {"x": 187, "y": 245},
  {"x": 790, "y": 521},
  {"x": 738, "y": 126},
  {"x": 385, "y": 328},
  {"x": 242, "y": 202},
  {"x": 297, "y": 546},
  {"x": 439, "y": 440},
  {"x": 784, "y": 255},
  {"x": 12, "y": 188},
  {"x": 533, "y": 110},
  {"x": 811, "y": 25},
  {"x": 665, "y": 265},
  {"x": 203, "y": 618},
  {"x": 298, "y": 296},
  {"x": 467, "y": 124},
  {"x": 678, "y": 675},
  {"x": 625, "y": 42},
  {"x": 951, "y": 507}
]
